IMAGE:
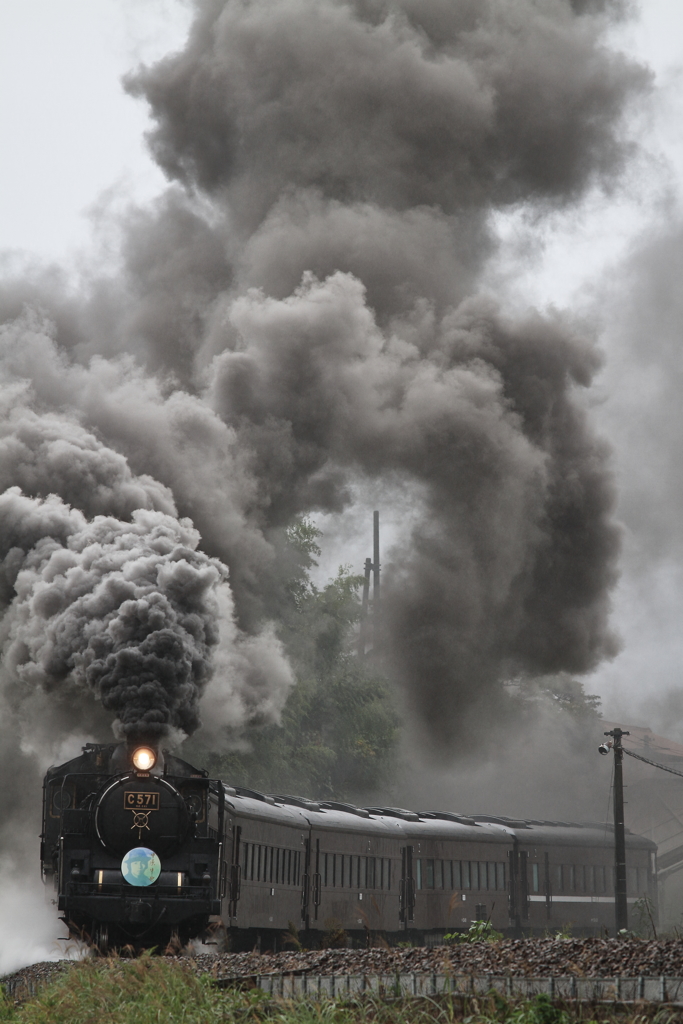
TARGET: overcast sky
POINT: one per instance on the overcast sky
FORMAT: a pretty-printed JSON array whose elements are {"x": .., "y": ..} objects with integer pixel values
[{"x": 73, "y": 142}]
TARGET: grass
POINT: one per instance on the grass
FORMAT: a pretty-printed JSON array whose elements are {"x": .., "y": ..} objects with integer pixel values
[{"x": 151, "y": 990}]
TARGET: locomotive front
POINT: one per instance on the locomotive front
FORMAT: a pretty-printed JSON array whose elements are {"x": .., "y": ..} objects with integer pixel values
[{"x": 133, "y": 842}]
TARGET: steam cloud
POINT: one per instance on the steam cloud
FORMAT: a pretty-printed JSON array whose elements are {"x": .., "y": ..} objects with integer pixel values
[{"x": 300, "y": 312}]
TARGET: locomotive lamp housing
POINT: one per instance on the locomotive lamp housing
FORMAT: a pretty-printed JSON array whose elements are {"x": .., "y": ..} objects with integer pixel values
[{"x": 144, "y": 759}]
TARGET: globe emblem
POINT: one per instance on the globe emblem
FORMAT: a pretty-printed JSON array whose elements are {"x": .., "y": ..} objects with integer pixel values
[{"x": 141, "y": 866}]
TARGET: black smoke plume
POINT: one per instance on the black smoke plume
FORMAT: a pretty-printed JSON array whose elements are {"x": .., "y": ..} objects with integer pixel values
[{"x": 300, "y": 312}]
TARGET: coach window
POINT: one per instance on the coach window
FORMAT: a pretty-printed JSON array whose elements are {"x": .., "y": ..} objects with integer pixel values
[
  {"x": 428, "y": 879},
  {"x": 590, "y": 878},
  {"x": 534, "y": 877},
  {"x": 559, "y": 878},
  {"x": 631, "y": 880},
  {"x": 474, "y": 874},
  {"x": 456, "y": 878},
  {"x": 466, "y": 881},
  {"x": 500, "y": 876}
]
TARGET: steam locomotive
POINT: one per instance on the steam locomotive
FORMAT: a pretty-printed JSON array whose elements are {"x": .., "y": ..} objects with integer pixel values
[{"x": 143, "y": 848}]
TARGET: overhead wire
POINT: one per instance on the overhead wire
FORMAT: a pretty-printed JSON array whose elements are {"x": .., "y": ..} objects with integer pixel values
[{"x": 654, "y": 764}]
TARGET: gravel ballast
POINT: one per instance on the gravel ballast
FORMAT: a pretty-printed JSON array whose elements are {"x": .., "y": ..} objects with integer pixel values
[
  {"x": 596, "y": 958},
  {"x": 532, "y": 958}
]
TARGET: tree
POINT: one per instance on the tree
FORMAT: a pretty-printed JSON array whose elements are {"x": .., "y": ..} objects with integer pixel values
[{"x": 339, "y": 728}]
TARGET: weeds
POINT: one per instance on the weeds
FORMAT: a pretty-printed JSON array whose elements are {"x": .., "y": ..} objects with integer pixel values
[
  {"x": 290, "y": 938},
  {"x": 643, "y": 917},
  {"x": 150, "y": 990},
  {"x": 478, "y": 931}
]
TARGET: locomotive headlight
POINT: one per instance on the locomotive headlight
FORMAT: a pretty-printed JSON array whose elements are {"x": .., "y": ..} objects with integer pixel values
[{"x": 144, "y": 758}]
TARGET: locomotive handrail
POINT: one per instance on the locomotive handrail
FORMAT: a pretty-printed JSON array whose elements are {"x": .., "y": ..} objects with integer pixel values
[{"x": 123, "y": 889}]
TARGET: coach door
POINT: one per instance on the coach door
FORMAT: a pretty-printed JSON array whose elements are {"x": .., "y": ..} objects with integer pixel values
[
  {"x": 518, "y": 894},
  {"x": 406, "y": 893},
  {"x": 316, "y": 880},
  {"x": 235, "y": 872},
  {"x": 306, "y": 886}
]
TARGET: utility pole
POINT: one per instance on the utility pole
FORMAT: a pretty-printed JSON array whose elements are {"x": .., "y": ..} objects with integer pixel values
[
  {"x": 620, "y": 895},
  {"x": 364, "y": 609},
  {"x": 376, "y": 615},
  {"x": 374, "y": 568}
]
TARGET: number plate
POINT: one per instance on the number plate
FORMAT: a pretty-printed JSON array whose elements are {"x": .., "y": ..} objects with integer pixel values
[{"x": 141, "y": 801}]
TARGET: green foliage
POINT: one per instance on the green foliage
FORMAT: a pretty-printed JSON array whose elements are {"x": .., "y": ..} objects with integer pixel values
[
  {"x": 114, "y": 991},
  {"x": 478, "y": 931},
  {"x": 563, "y": 693},
  {"x": 290, "y": 938},
  {"x": 339, "y": 727},
  {"x": 540, "y": 1010},
  {"x": 643, "y": 919},
  {"x": 155, "y": 991}
]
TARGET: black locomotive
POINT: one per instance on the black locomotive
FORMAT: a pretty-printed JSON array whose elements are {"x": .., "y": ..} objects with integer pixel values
[
  {"x": 142, "y": 846},
  {"x": 134, "y": 842}
]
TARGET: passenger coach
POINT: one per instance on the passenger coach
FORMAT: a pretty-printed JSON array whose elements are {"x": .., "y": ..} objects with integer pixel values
[{"x": 141, "y": 846}]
